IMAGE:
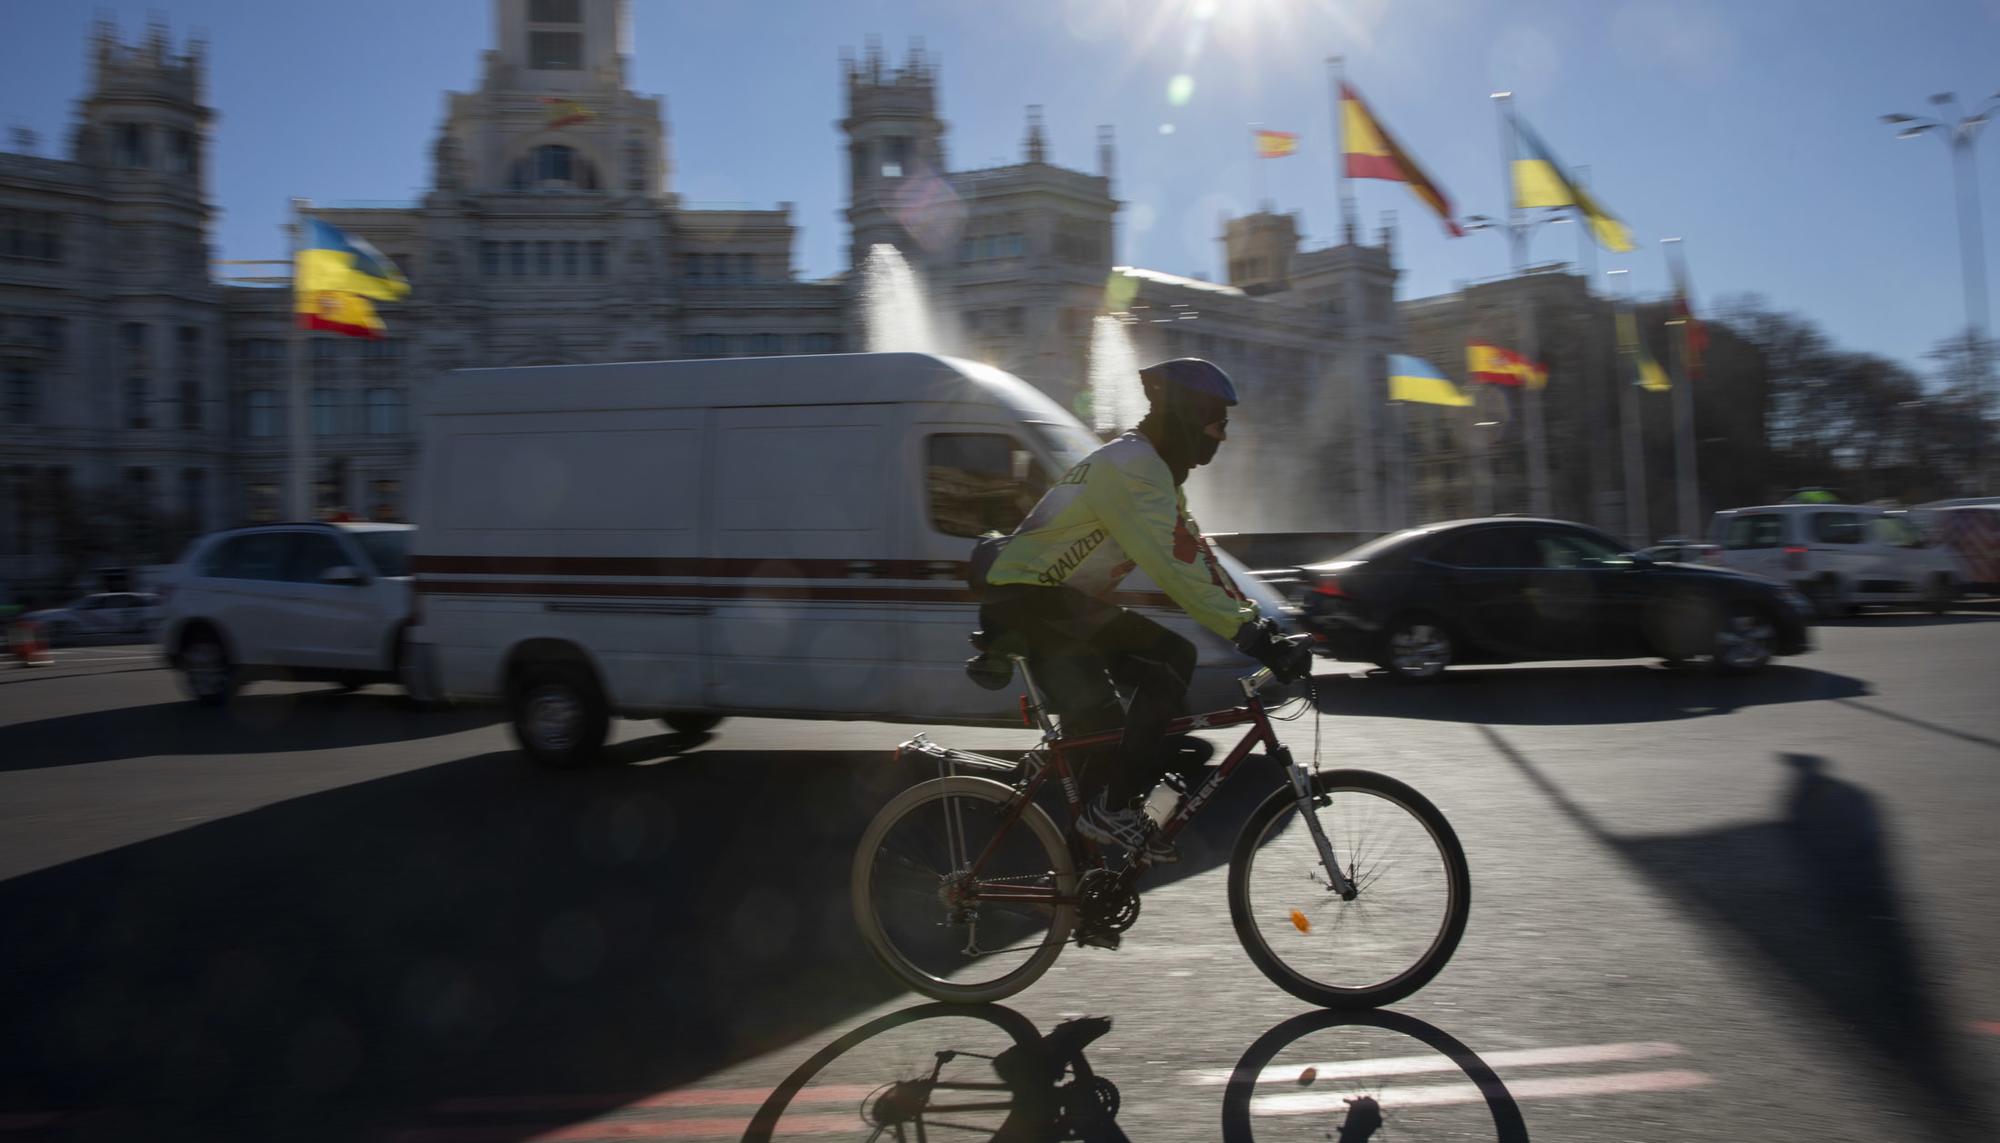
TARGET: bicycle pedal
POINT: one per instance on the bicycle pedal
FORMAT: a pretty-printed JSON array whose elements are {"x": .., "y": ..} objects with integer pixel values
[{"x": 1100, "y": 940}]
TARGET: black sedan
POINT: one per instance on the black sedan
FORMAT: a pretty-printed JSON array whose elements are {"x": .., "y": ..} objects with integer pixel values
[{"x": 1509, "y": 590}]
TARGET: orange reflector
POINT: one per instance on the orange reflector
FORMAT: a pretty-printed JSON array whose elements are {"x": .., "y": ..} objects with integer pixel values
[
  {"x": 1299, "y": 921},
  {"x": 1306, "y": 1077}
]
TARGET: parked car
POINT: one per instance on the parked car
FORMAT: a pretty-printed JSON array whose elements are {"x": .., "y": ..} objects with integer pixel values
[
  {"x": 1510, "y": 590},
  {"x": 318, "y": 602},
  {"x": 1840, "y": 555},
  {"x": 688, "y": 540},
  {"x": 107, "y": 613}
]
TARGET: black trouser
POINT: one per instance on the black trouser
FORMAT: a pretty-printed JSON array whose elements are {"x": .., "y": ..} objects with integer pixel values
[{"x": 1078, "y": 647}]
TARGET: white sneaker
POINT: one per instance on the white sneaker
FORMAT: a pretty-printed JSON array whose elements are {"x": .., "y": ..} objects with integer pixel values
[{"x": 1127, "y": 828}]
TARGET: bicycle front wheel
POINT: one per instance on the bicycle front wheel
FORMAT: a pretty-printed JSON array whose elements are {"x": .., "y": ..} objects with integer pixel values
[
  {"x": 1413, "y": 892},
  {"x": 958, "y": 901}
]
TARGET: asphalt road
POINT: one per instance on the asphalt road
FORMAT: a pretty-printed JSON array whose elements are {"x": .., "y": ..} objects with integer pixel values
[{"x": 1755, "y": 908}]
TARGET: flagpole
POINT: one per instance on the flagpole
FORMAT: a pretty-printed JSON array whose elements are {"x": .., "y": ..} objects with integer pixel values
[
  {"x": 1687, "y": 485},
  {"x": 298, "y": 479},
  {"x": 1525, "y": 332},
  {"x": 1341, "y": 181},
  {"x": 1636, "y": 531}
]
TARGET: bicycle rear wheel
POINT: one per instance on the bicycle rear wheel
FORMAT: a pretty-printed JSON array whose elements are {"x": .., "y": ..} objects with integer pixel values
[
  {"x": 1413, "y": 892},
  {"x": 947, "y": 930}
]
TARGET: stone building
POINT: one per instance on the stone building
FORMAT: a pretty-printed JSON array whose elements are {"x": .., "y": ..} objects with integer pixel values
[{"x": 145, "y": 401}]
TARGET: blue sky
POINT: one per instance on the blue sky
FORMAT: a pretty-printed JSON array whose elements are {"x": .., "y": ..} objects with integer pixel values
[{"x": 1748, "y": 128}]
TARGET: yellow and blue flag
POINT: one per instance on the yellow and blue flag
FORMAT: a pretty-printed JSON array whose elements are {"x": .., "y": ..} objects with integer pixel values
[
  {"x": 1416, "y": 380},
  {"x": 333, "y": 276},
  {"x": 1539, "y": 181}
]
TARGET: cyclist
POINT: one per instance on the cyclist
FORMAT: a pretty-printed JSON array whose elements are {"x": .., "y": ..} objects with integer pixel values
[{"x": 1122, "y": 507}]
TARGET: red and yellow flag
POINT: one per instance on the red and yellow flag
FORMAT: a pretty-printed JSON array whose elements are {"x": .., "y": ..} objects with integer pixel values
[
  {"x": 563, "y": 112},
  {"x": 1496, "y": 366},
  {"x": 1276, "y": 144},
  {"x": 1372, "y": 153}
]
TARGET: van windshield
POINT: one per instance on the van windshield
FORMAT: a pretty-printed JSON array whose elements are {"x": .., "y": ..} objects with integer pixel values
[{"x": 1067, "y": 444}]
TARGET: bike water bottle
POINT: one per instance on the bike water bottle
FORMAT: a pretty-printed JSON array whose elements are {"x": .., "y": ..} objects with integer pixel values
[{"x": 1161, "y": 804}]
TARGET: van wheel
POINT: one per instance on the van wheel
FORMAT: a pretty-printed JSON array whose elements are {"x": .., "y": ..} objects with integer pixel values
[
  {"x": 691, "y": 722},
  {"x": 1938, "y": 600},
  {"x": 560, "y": 718},
  {"x": 206, "y": 672},
  {"x": 1826, "y": 597},
  {"x": 1416, "y": 647},
  {"x": 1744, "y": 639}
]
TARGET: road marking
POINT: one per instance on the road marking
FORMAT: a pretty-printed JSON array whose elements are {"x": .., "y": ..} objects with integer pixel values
[
  {"x": 1448, "y": 1093},
  {"x": 731, "y": 1128},
  {"x": 1437, "y": 1062}
]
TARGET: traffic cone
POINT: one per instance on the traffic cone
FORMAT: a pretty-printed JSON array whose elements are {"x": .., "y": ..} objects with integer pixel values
[{"x": 28, "y": 645}]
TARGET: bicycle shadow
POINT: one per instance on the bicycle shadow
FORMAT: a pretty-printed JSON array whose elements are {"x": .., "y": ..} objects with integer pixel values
[
  {"x": 1050, "y": 1091},
  {"x": 1573, "y": 696},
  {"x": 1356, "y": 1093},
  {"x": 331, "y": 965},
  {"x": 1814, "y": 894}
]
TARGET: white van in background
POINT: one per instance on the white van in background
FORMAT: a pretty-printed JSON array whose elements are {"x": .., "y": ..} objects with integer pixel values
[
  {"x": 687, "y": 540},
  {"x": 1840, "y": 555}
]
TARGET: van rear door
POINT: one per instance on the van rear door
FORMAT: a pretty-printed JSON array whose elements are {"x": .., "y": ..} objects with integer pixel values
[{"x": 801, "y": 550}]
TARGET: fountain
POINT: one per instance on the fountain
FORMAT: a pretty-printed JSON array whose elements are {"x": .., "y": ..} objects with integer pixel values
[
  {"x": 893, "y": 304},
  {"x": 1117, "y": 402}
]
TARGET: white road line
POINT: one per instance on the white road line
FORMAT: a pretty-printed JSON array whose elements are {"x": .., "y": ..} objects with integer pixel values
[
  {"x": 1438, "y": 1062},
  {"x": 1438, "y": 1094}
]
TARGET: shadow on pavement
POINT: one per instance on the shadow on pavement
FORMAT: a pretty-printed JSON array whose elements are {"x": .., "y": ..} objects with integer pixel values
[
  {"x": 333, "y": 965},
  {"x": 250, "y": 724},
  {"x": 1814, "y": 893},
  {"x": 1004, "y": 1081},
  {"x": 1958, "y": 614},
  {"x": 1365, "y": 1097},
  {"x": 1574, "y": 696},
  {"x": 1934, "y": 728}
]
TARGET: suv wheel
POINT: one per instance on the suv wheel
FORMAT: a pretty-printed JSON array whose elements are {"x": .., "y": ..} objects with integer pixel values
[
  {"x": 691, "y": 722},
  {"x": 206, "y": 672},
  {"x": 560, "y": 718}
]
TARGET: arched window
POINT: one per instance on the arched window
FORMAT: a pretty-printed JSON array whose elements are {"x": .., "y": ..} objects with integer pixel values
[{"x": 553, "y": 166}]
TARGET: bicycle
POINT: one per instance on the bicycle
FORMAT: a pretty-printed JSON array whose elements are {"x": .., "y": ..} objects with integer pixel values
[{"x": 961, "y": 853}]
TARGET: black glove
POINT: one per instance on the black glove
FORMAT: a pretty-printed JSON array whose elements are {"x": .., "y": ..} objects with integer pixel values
[{"x": 1264, "y": 642}]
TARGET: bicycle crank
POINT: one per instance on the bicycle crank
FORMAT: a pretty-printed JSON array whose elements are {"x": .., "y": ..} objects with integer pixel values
[{"x": 1106, "y": 902}]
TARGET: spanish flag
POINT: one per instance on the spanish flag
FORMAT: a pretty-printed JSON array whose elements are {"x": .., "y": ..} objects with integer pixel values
[
  {"x": 1694, "y": 335},
  {"x": 1418, "y": 381},
  {"x": 1652, "y": 378},
  {"x": 563, "y": 112},
  {"x": 1276, "y": 144},
  {"x": 333, "y": 276},
  {"x": 1497, "y": 366},
  {"x": 1539, "y": 181},
  {"x": 1372, "y": 153}
]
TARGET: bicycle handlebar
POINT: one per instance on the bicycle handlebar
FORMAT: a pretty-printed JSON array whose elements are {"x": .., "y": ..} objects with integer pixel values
[{"x": 1260, "y": 678}]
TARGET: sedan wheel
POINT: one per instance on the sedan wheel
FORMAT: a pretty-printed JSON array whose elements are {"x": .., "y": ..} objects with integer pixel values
[
  {"x": 1418, "y": 648},
  {"x": 1743, "y": 641},
  {"x": 206, "y": 670}
]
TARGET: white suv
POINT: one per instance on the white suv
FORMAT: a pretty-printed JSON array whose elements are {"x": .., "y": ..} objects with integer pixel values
[
  {"x": 1839, "y": 555},
  {"x": 318, "y": 602}
]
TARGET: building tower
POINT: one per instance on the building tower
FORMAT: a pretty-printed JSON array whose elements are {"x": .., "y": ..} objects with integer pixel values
[
  {"x": 895, "y": 158},
  {"x": 144, "y": 137}
]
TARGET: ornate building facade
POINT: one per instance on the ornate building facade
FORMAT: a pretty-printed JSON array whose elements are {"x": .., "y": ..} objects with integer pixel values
[{"x": 146, "y": 401}]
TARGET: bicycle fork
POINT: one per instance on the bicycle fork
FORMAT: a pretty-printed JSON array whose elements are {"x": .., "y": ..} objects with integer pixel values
[{"x": 1309, "y": 803}]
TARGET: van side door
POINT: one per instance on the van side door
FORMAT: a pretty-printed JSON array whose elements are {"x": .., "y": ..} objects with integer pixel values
[
  {"x": 802, "y": 558},
  {"x": 965, "y": 479}
]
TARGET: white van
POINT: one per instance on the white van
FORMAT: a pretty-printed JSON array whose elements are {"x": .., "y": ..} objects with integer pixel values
[
  {"x": 687, "y": 540},
  {"x": 1839, "y": 555}
]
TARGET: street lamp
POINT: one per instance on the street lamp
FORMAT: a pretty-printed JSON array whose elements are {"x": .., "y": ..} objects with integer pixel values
[{"x": 1959, "y": 135}]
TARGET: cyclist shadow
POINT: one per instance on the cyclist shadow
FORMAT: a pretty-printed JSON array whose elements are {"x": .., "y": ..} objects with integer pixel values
[
  {"x": 1035, "y": 1089},
  {"x": 1359, "y": 1094}
]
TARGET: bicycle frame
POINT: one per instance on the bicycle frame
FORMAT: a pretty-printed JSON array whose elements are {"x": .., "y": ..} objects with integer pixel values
[{"x": 1052, "y": 754}]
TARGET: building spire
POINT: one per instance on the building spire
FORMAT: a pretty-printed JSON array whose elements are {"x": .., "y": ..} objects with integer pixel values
[{"x": 1036, "y": 146}]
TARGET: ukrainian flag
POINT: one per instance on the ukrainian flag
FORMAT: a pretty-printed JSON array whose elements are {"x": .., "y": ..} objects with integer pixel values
[
  {"x": 1416, "y": 380},
  {"x": 1539, "y": 181},
  {"x": 333, "y": 276}
]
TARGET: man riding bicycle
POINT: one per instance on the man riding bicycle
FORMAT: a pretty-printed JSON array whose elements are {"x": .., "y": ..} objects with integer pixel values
[{"x": 1123, "y": 507}]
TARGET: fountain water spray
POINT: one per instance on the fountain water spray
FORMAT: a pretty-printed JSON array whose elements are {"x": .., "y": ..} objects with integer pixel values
[
  {"x": 894, "y": 306},
  {"x": 1117, "y": 401}
]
